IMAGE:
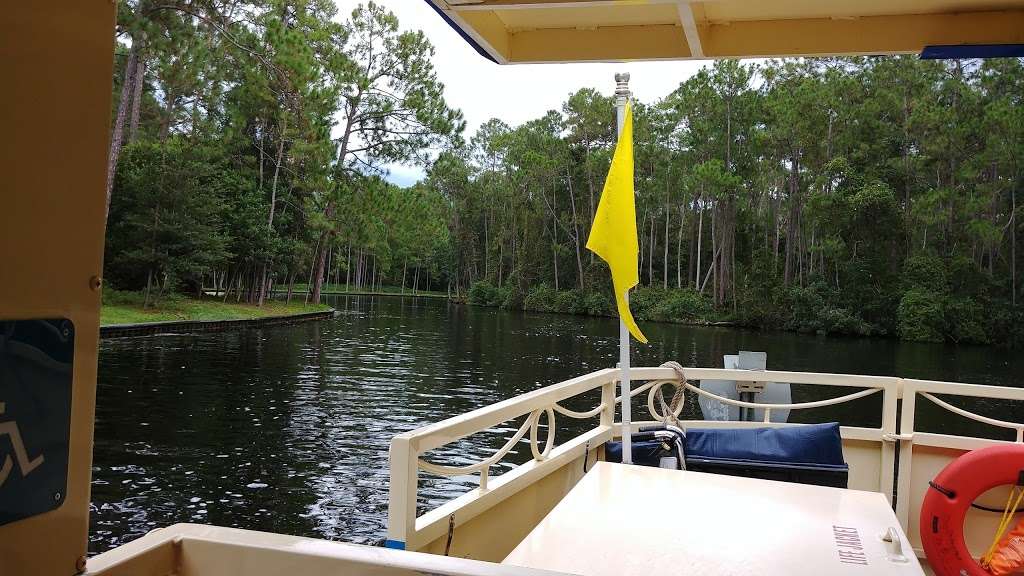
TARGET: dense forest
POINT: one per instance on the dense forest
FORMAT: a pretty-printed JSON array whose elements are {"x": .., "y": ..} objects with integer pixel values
[
  {"x": 248, "y": 144},
  {"x": 250, "y": 141}
]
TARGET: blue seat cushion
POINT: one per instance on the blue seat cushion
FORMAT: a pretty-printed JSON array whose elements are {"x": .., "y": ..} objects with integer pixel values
[{"x": 818, "y": 444}]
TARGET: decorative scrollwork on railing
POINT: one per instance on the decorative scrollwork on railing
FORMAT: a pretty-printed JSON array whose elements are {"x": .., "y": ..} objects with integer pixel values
[
  {"x": 670, "y": 413},
  {"x": 654, "y": 385},
  {"x": 531, "y": 424},
  {"x": 1015, "y": 426},
  {"x": 550, "y": 442},
  {"x": 579, "y": 415}
]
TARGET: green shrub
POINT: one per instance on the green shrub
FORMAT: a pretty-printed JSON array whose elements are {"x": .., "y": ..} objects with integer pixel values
[
  {"x": 122, "y": 297},
  {"x": 113, "y": 297},
  {"x": 541, "y": 298},
  {"x": 810, "y": 309},
  {"x": 597, "y": 304},
  {"x": 683, "y": 305},
  {"x": 483, "y": 293},
  {"x": 841, "y": 321},
  {"x": 511, "y": 297},
  {"x": 804, "y": 306},
  {"x": 642, "y": 302},
  {"x": 1007, "y": 327},
  {"x": 925, "y": 272},
  {"x": 966, "y": 321},
  {"x": 920, "y": 316},
  {"x": 671, "y": 305},
  {"x": 570, "y": 302}
]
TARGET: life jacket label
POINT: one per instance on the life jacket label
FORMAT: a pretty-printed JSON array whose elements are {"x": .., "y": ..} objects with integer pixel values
[{"x": 849, "y": 545}]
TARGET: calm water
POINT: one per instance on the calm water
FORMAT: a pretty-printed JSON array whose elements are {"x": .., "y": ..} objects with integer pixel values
[{"x": 286, "y": 429}]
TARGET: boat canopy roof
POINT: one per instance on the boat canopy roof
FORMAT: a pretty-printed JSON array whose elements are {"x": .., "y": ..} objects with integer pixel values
[{"x": 523, "y": 31}]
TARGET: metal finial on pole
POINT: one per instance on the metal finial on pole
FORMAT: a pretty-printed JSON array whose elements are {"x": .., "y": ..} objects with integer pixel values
[
  {"x": 622, "y": 84},
  {"x": 621, "y": 98}
]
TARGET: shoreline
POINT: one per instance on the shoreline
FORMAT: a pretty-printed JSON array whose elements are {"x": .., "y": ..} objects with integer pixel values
[
  {"x": 296, "y": 294},
  {"x": 132, "y": 330}
]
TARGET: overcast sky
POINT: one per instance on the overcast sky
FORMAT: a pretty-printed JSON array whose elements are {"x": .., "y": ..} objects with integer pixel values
[{"x": 520, "y": 92}]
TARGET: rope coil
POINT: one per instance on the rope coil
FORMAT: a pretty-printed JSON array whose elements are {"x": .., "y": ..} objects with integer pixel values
[{"x": 670, "y": 411}]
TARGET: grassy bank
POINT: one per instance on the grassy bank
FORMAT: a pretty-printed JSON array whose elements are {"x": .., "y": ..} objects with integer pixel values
[{"x": 127, "y": 308}]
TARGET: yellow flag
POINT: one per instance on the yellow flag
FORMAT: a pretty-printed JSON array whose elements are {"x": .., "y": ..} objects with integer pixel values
[{"x": 613, "y": 236}]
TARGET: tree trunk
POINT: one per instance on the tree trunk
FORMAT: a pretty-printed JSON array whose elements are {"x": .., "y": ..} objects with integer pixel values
[
  {"x": 327, "y": 265},
  {"x": 715, "y": 249},
  {"x": 487, "y": 246},
  {"x": 554, "y": 260},
  {"x": 709, "y": 274},
  {"x": 352, "y": 107},
  {"x": 117, "y": 135},
  {"x": 357, "y": 277},
  {"x": 168, "y": 119},
  {"x": 906, "y": 168},
  {"x": 138, "y": 79},
  {"x": 700, "y": 239},
  {"x": 640, "y": 237},
  {"x": 792, "y": 231},
  {"x": 679, "y": 247},
  {"x": 321, "y": 260},
  {"x": 277, "y": 171},
  {"x": 1013, "y": 244},
  {"x": 664, "y": 264},
  {"x": 590, "y": 189},
  {"x": 650, "y": 260},
  {"x": 227, "y": 287},
  {"x": 575, "y": 231},
  {"x": 149, "y": 284},
  {"x": 726, "y": 241},
  {"x": 312, "y": 268},
  {"x": 263, "y": 286},
  {"x": 775, "y": 224}
]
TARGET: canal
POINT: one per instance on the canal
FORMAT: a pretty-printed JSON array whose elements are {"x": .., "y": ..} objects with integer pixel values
[{"x": 286, "y": 429}]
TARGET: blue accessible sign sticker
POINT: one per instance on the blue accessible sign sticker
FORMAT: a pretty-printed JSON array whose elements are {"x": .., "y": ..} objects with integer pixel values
[{"x": 36, "y": 371}]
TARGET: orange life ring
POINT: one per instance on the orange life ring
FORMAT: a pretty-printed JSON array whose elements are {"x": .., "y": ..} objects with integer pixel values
[{"x": 952, "y": 493}]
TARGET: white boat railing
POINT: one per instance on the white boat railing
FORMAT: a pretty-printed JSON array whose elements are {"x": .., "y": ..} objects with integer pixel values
[
  {"x": 923, "y": 454},
  {"x": 875, "y": 448},
  {"x": 405, "y": 530}
]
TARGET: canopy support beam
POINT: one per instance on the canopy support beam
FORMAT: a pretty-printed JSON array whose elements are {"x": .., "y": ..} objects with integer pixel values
[{"x": 690, "y": 29}]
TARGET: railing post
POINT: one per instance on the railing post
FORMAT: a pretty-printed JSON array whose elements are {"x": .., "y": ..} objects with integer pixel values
[
  {"x": 402, "y": 493},
  {"x": 608, "y": 399},
  {"x": 890, "y": 397},
  {"x": 908, "y": 390}
]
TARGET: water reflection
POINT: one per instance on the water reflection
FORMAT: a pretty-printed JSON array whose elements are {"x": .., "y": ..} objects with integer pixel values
[{"x": 287, "y": 429}]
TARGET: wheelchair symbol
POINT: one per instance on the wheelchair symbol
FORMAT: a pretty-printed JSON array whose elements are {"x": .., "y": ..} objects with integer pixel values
[{"x": 10, "y": 429}]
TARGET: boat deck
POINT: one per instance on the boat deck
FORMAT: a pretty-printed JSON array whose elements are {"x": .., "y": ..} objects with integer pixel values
[
  {"x": 622, "y": 519},
  {"x": 892, "y": 458}
]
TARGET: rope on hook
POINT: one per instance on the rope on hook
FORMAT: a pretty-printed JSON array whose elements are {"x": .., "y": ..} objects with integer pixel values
[{"x": 670, "y": 411}]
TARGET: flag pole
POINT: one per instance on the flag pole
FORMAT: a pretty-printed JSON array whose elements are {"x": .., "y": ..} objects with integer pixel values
[{"x": 621, "y": 98}]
